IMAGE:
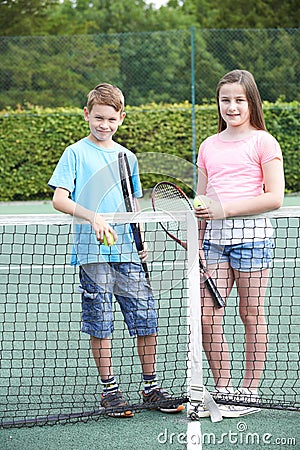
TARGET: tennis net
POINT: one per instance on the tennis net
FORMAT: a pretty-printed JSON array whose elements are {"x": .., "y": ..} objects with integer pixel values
[
  {"x": 48, "y": 374},
  {"x": 279, "y": 385}
]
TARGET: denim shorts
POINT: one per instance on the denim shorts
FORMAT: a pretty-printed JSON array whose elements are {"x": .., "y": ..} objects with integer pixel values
[
  {"x": 127, "y": 282},
  {"x": 245, "y": 257}
]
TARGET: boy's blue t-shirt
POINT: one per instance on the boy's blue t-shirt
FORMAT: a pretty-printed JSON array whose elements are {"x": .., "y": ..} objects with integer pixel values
[{"x": 91, "y": 174}]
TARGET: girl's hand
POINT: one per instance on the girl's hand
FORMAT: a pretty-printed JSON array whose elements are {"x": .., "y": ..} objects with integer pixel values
[
  {"x": 209, "y": 210},
  {"x": 202, "y": 256}
]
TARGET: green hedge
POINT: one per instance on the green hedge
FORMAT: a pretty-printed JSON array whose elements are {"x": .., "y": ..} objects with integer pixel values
[{"x": 32, "y": 141}]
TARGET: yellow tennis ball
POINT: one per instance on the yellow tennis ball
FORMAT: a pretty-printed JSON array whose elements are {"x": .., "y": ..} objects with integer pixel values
[
  {"x": 112, "y": 241},
  {"x": 198, "y": 202}
]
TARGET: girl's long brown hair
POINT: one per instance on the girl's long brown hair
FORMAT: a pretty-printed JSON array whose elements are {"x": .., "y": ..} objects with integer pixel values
[{"x": 246, "y": 80}]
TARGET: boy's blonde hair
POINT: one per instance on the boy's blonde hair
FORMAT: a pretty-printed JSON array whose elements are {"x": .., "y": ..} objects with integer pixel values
[{"x": 106, "y": 94}]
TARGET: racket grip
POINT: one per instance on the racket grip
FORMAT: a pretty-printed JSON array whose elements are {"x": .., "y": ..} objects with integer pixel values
[
  {"x": 145, "y": 267},
  {"x": 140, "y": 246},
  {"x": 216, "y": 296},
  {"x": 137, "y": 237}
]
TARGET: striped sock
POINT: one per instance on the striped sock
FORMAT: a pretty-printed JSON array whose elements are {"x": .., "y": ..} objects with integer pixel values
[
  {"x": 109, "y": 386},
  {"x": 150, "y": 383}
]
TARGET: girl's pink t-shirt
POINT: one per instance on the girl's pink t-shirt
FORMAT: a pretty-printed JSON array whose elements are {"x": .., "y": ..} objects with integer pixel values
[{"x": 234, "y": 169}]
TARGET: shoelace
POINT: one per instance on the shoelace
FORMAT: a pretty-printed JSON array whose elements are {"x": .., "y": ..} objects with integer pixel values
[{"x": 114, "y": 400}]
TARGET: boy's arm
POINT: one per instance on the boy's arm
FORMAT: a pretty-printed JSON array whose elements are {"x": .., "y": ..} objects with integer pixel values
[{"x": 63, "y": 203}]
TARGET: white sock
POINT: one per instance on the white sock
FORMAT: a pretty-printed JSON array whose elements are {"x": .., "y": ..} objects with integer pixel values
[
  {"x": 225, "y": 390},
  {"x": 248, "y": 391}
]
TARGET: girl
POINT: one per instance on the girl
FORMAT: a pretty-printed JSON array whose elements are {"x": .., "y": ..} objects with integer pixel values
[{"x": 240, "y": 174}]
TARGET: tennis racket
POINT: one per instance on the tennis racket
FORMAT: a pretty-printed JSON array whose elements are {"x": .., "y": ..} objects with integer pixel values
[
  {"x": 127, "y": 189},
  {"x": 167, "y": 196}
]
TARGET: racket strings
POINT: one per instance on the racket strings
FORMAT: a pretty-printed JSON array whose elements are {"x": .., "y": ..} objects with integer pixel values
[{"x": 168, "y": 198}]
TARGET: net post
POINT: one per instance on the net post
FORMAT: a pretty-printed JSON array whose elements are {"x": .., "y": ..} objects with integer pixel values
[{"x": 196, "y": 381}]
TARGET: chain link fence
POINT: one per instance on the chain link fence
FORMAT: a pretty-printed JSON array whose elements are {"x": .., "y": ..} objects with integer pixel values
[{"x": 161, "y": 67}]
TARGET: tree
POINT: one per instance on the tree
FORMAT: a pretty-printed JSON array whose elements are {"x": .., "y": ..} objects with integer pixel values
[
  {"x": 83, "y": 42},
  {"x": 24, "y": 17},
  {"x": 69, "y": 17},
  {"x": 53, "y": 71},
  {"x": 243, "y": 14},
  {"x": 271, "y": 55}
]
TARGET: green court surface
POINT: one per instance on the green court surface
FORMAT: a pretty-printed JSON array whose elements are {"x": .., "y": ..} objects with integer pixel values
[
  {"x": 152, "y": 430},
  {"x": 45, "y": 207}
]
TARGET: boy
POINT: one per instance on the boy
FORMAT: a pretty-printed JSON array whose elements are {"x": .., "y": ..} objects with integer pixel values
[{"x": 87, "y": 183}]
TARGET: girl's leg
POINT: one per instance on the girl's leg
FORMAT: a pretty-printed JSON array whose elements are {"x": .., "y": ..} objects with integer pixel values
[
  {"x": 214, "y": 340},
  {"x": 252, "y": 289}
]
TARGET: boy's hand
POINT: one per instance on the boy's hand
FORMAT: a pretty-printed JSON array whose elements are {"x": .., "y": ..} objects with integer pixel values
[
  {"x": 143, "y": 254},
  {"x": 102, "y": 228}
]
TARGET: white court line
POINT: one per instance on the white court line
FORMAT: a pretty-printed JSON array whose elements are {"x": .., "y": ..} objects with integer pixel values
[
  {"x": 179, "y": 264},
  {"x": 68, "y": 266},
  {"x": 36, "y": 267},
  {"x": 194, "y": 437}
]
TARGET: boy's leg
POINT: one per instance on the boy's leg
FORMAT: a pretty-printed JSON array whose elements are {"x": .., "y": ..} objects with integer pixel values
[
  {"x": 153, "y": 396},
  {"x": 96, "y": 280},
  {"x": 101, "y": 349},
  {"x": 146, "y": 347},
  {"x": 137, "y": 304},
  {"x": 112, "y": 399}
]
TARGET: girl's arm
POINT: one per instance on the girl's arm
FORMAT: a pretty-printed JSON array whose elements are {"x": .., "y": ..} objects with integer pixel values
[
  {"x": 270, "y": 199},
  {"x": 201, "y": 190},
  {"x": 63, "y": 203}
]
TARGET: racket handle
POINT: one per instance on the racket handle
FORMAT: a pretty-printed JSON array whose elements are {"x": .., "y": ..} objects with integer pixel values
[
  {"x": 216, "y": 296},
  {"x": 145, "y": 267},
  {"x": 139, "y": 245},
  {"x": 137, "y": 237},
  {"x": 213, "y": 290}
]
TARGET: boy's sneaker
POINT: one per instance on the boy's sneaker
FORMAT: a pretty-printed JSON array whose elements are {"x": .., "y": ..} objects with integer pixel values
[
  {"x": 115, "y": 405},
  {"x": 161, "y": 400}
]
